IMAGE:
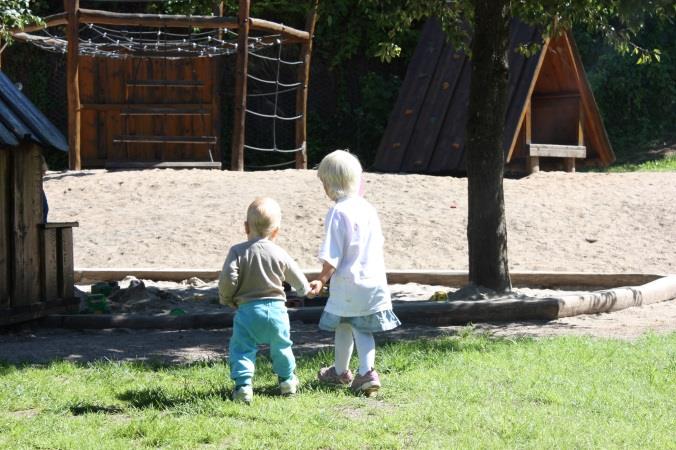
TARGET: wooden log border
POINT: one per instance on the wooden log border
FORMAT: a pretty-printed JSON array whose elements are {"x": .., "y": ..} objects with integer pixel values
[
  {"x": 656, "y": 289},
  {"x": 434, "y": 277}
]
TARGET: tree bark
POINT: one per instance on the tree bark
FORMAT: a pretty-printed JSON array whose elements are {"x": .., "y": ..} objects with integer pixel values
[{"x": 486, "y": 224}]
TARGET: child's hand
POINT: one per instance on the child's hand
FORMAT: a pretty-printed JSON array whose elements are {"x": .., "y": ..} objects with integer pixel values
[{"x": 315, "y": 288}]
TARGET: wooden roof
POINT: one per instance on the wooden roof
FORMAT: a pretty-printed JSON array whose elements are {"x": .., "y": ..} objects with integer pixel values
[
  {"x": 426, "y": 130},
  {"x": 21, "y": 120}
]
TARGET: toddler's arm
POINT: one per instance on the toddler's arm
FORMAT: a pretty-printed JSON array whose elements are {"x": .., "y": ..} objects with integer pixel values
[
  {"x": 227, "y": 280},
  {"x": 296, "y": 278}
]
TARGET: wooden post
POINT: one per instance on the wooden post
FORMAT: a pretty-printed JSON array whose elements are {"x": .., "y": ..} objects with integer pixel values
[
  {"x": 72, "y": 81},
  {"x": 218, "y": 10},
  {"x": 216, "y": 100},
  {"x": 301, "y": 96},
  {"x": 533, "y": 161},
  {"x": 6, "y": 222},
  {"x": 241, "y": 71}
]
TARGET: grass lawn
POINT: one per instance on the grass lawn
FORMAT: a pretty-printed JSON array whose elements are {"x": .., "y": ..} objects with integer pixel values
[
  {"x": 667, "y": 164},
  {"x": 466, "y": 391}
]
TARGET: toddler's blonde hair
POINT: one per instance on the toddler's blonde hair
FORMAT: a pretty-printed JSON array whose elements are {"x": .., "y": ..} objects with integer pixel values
[
  {"x": 263, "y": 216},
  {"x": 340, "y": 172}
]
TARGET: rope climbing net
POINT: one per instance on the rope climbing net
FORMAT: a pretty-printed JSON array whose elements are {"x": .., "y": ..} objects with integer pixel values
[{"x": 272, "y": 76}]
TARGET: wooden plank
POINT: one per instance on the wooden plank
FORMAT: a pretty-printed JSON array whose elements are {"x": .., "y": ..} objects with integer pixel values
[
  {"x": 65, "y": 271},
  {"x": 5, "y": 227},
  {"x": 450, "y": 150},
  {"x": 533, "y": 162},
  {"x": 144, "y": 111},
  {"x": 241, "y": 71},
  {"x": 166, "y": 83},
  {"x": 31, "y": 312},
  {"x": 131, "y": 107},
  {"x": 402, "y": 121},
  {"x": 50, "y": 265},
  {"x": 597, "y": 137},
  {"x": 141, "y": 139},
  {"x": 433, "y": 112},
  {"x": 26, "y": 216},
  {"x": 215, "y": 73},
  {"x": 113, "y": 76},
  {"x": 163, "y": 165},
  {"x": 555, "y": 95},
  {"x": 569, "y": 164},
  {"x": 72, "y": 83},
  {"x": 557, "y": 151},
  {"x": 51, "y": 225},
  {"x": 515, "y": 122}
]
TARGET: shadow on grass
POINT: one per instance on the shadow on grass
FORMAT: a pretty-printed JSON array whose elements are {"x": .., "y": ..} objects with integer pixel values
[
  {"x": 395, "y": 353},
  {"x": 158, "y": 398},
  {"x": 81, "y": 409}
]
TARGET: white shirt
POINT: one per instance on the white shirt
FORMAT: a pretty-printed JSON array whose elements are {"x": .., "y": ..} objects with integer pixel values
[{"x": 353, "y": 245}]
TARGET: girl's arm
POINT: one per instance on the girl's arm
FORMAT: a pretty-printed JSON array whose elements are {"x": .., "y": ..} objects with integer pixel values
[{"x": 324, "y": 277}]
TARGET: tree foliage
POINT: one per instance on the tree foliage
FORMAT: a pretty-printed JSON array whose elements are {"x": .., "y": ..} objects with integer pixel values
[{"x": 15, "y": 14}]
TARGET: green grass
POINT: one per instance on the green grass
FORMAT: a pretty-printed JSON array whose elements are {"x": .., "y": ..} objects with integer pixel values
[
  {"x": 466, "y": 391},
  {"x": 667, "y": 164}
]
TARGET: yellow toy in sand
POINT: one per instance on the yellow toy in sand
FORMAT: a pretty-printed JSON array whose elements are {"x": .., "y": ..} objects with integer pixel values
[{"x": 439, "y": 296}]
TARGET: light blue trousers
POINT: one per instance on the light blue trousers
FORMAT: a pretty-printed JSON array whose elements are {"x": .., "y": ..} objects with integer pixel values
[{"x": 261, "y": 322}]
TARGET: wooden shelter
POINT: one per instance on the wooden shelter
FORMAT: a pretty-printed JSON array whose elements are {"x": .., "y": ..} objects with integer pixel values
[
  {"x": 552, "y": 120},
  {"x": 36, "y": 258},
  {"x": 137, "y": 107}
]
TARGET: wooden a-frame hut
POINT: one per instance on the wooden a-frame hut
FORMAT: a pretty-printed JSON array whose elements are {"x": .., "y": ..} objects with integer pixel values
[
  {"x": 36, "y": 258},
  {"x": 552, "y": 120}
]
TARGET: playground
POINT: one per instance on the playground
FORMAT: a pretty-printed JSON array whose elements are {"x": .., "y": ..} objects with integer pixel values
[{"x": 579, "y": 354}]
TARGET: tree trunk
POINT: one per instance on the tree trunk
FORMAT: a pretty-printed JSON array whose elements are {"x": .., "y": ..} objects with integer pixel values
[{"x": 486, "y": 225}]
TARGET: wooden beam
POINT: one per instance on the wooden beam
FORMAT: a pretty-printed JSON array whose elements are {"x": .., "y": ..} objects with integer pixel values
[
  {"x": 182, "y": 21},
  {"x": 556, "y": 95},
  {"x": 598, "y": 138},
  {"x": 533, "y": 162},
  {"x": 73, "y": 84},
  {"x": 5, "y": 226},
  {"x": 145, "y": 139},
  {"x": 216, "y": 100},
  {"x": 26, "y": 212},
  {"x": 155, "y": 20},
  {"x": 287, "y": 32},
  {"x": 26, "y": 37},
  {"x": 241, "y": 69},
  {"x": 557, "y": 151},
  {"x": 302, "y": 93},
  {"x": 163, "y": 165},
  {"x": 166, "y": 83},
  {"x": 531, "y": 88},
  {"x": 53, "y": 20},
  {"x": 141, "y": 106},
  {"x": 451, "y": 278}
]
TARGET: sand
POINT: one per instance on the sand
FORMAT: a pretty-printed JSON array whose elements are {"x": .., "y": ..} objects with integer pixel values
[
  {"x": 187, "y": 219},
  {"x": 583, "y": 222}
]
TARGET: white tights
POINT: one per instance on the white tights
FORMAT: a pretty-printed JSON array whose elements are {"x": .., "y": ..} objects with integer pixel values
[{"x": 346, "y": 339}]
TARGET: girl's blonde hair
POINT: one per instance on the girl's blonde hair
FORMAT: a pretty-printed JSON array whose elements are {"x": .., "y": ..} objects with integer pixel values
[
  {"x": 263, "y": 216},
  {"x": 340, "y": 172}
]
